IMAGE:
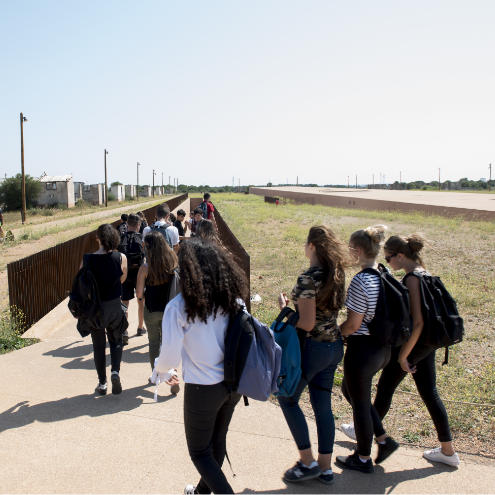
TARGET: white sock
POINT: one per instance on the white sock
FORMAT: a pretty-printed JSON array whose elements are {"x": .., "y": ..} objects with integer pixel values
[
  {"x": 328, "y": 471},
  {"x": 382, "y": 443},
  {"x": 364, "y": 461},
  {"x": 312, "y": 465}
]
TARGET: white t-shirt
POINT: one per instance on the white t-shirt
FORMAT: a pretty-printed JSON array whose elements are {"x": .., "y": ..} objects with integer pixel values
[
  {"x": 200, "y": 346},
  {"x": 172, "y": 231},
  {"x": 362, "y": 297}
]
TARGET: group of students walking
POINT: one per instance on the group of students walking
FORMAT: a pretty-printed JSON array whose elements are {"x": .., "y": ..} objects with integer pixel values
[{"x": 190, "y": 295}]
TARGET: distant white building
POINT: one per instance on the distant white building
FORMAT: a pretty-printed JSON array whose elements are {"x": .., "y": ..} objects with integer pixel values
[{"x": 56, "y": 189}]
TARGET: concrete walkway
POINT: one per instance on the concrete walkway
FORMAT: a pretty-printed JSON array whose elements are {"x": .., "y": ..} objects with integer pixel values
[{"x": 58, "y": 436}]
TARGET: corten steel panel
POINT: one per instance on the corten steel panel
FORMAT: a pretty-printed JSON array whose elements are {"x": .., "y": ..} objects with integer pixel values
[
  {"x": 229, "y": 240},
  {"x": 342, "y": 201},
  {"x": 40, "y": 282}
]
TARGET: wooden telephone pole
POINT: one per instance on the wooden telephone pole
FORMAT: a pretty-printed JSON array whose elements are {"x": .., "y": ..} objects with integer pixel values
[
  {"x": 23, "y": 183},
  {"x": 106, "y": 185}
]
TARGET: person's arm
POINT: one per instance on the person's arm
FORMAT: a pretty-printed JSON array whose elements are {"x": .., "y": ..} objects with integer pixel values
[
  {"x": 123, "y": 264},
  {"x": 412, "y": 283},
  {"x": 172, "y": 339},
  {"x": 352, "y": 324},
  {"x": 141, "y": 280},
  {"x": 307, "y": 313}
]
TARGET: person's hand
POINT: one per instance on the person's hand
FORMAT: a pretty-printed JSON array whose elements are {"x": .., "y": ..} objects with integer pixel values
[
  {"x": 282, "y": 300},
  {"x": 407, "y": 367},
  {"x": 344, "y": 339},
  {"x": 173, "y": 381}
]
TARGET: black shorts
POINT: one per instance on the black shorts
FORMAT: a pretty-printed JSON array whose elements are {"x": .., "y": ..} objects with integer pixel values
[{"x": 129, "y": 287}]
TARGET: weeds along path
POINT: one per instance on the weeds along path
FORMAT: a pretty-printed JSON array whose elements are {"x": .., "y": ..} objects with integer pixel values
[{"x": 461, "y": 252}]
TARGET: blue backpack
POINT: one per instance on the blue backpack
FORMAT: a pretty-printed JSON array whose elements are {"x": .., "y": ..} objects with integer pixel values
[
  {"x": 252, "y": 358},
  {"x": 287, "y": 338}
]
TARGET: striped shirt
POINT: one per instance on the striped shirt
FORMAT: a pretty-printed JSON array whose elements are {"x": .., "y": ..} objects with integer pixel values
[{"x": 362, "y": 297}]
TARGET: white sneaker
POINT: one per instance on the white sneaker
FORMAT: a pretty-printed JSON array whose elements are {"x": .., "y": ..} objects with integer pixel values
[
  {"x": 348, "y": 430},
  {"x": 438, "y": 456},
  {"x": 189, "y": 489}
]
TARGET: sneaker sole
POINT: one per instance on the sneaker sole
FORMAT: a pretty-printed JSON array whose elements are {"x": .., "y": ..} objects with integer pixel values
[
  {"x": 116, "y": 386},
  {"x": 321, "y": 480},
  {"x": 101, "y": 392},
  {"x": 345, "y": 466},
  {"x": 304, "y": 478},
  {"x": 443, "y": 462}
]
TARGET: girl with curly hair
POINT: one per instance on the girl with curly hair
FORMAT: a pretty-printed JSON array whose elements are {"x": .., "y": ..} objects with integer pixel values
[
  {"x": 194, "y": 326},
  {"x": 317, "y": 296},
  {"x": 157, "y": 284}
]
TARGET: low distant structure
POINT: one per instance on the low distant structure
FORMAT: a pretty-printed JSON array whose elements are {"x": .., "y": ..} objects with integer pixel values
[
  {"x": 78, "y": 187},
  {"x": 57, "y": 189},
  {"x": 158, "y": 191},
  {"x": 118, "y": 192},
  {"x": 93, "y": 193},
  {"x": 130, "y": 190},
  {"x": 146, "y": 192}
]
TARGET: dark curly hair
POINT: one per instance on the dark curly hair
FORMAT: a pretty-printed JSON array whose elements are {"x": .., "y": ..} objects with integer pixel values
[
  {"x": 210, "y": 281},
  {"x": 108, "y": 236}
]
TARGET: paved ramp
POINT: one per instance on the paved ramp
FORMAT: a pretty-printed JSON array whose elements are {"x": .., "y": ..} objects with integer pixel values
[{"x": 58, "y": 436}]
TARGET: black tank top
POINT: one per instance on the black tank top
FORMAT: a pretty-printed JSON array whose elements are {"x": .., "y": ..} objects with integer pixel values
[
  {"x": 156, "y": 297},
  {"x": 107, "y": 271}
]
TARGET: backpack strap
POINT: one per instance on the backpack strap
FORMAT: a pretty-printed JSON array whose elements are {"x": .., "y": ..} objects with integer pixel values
[
  {"x": 86, "y": 257},
  {"x": 231, "y": 344}
]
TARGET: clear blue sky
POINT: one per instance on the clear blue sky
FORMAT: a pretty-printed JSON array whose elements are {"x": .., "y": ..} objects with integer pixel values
[{"x": 260, "y": 90}]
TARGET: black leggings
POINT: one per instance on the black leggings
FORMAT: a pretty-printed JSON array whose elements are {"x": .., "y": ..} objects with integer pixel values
[
  {"x": 99, "y": 345},
  {"x": 208, "y": 410},
  {"x": 362, "y": 362},
  {"x": 425, "y": 379}
]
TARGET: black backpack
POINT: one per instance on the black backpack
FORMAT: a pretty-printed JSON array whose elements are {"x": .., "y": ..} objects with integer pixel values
[
  {"x": 163, "y": 230},
  {"x": 391, "y": 324},
  {"x": 132, "y": 246},
  {"x": 84, "y": 299},
  {"x": 443, "y": 326}
]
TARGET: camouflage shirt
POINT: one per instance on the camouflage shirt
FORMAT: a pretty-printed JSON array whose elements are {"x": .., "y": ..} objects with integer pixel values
[{"x": 326, "y": 328}]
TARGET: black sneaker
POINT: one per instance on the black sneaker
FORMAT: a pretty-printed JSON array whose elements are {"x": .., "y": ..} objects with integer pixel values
[
  {"x": 116, "y": 385},
  {"x": 141, "y": 331},
  {"x": 125, "y": 338},
  {"x": 386, "y": 450},
  {"x": 102, "y": 388},
  {"x": 354, "y": 462},
  {"x": 328, "y": 479},
  {"x": 301, "y": 473}
]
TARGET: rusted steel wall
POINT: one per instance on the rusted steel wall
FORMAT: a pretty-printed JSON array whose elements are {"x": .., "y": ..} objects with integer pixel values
[
  {"x": 327, "y": 199},
  {"x": 230, "y": 241},
  {"x": 270, "y": 199},
  {"x": 40, "y": 282}
]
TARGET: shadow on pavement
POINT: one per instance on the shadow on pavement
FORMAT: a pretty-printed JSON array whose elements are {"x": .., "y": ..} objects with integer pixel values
[
  {"x": 82, "y": 355},
  {"x": 352, "y": 482},
  {"x": 92, "y": 405}
]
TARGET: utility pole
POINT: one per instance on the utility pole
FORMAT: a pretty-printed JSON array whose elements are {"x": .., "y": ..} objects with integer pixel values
[
  {"x": 439, "y": 178},
  {"x": 23, "y": 183},
  {"x": 154, "y": 183},
  {"x": 348, "y": 185},
  {"x": 106, "y": 185},
  {"x": 137, "y": 191},
  {"x": 297, "y": 180},
  {"x": 373, "y": 180},
  {"x": 400, "y": 180},
  {"x": 240, "y": 184},
  {"x": 490, "y": 182},
  {"x": 162, "y": 180},
  {"x": 356, "y": 181},
  {"x": 169, "y": 184}
]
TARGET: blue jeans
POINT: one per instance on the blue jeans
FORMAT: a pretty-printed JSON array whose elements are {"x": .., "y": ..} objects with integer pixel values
[{"x": 319, "y": 362}]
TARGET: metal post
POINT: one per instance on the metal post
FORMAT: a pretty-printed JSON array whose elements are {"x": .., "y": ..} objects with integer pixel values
[
  {"x": 153, "y": 183},
  {"x": 490, "y": 183},
  {"x": 23, "y": 182},
  {"x": 356, "y": 181},
  {"x": 106, "y": 185},
  {"x": 137, "y": 191},
  {"x": 348, "y": 184},
  {"x": 400, "y": 180},
  {"x": 439, "y": 178},
  {"x": 373, "y": 181}
]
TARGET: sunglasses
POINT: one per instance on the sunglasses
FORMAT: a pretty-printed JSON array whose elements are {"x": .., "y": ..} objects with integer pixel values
[{"x": 388, "y": 258}]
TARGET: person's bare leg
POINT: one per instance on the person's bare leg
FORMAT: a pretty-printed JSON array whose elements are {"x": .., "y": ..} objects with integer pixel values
[
  {"x": 141, "y": 313},
  {"x": 447, "y": 448},
  {"x": 306, "y": 456},
  {"x": 325, "y": 461}
]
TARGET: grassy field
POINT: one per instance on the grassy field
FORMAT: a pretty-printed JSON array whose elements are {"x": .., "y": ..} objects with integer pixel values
[{"x": 461, "y": 252}]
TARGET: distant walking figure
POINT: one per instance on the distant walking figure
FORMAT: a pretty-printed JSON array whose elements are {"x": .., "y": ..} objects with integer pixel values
[{"x": 109, "y": 268}]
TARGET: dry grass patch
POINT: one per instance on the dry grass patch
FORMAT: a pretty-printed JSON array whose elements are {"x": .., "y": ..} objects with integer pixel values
[{"x": 461, "y": 252}]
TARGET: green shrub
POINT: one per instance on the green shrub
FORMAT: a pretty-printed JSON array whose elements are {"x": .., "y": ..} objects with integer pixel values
[
  {"x": 111, "y": 197},
  {"x": 12, "y": 326},
  {"x": 81, "y": 203},
  {"x": 48, "y": 212}
]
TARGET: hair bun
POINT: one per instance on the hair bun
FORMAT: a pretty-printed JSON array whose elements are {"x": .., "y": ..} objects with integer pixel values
[
  {"x": 416, "y": 242},
  {"x": 377, "y": 233}
]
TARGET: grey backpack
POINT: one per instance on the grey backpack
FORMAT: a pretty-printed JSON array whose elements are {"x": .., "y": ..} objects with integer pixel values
[
  {"x": 163, "y": 230},
  {"x": 252, "y": 358}
]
